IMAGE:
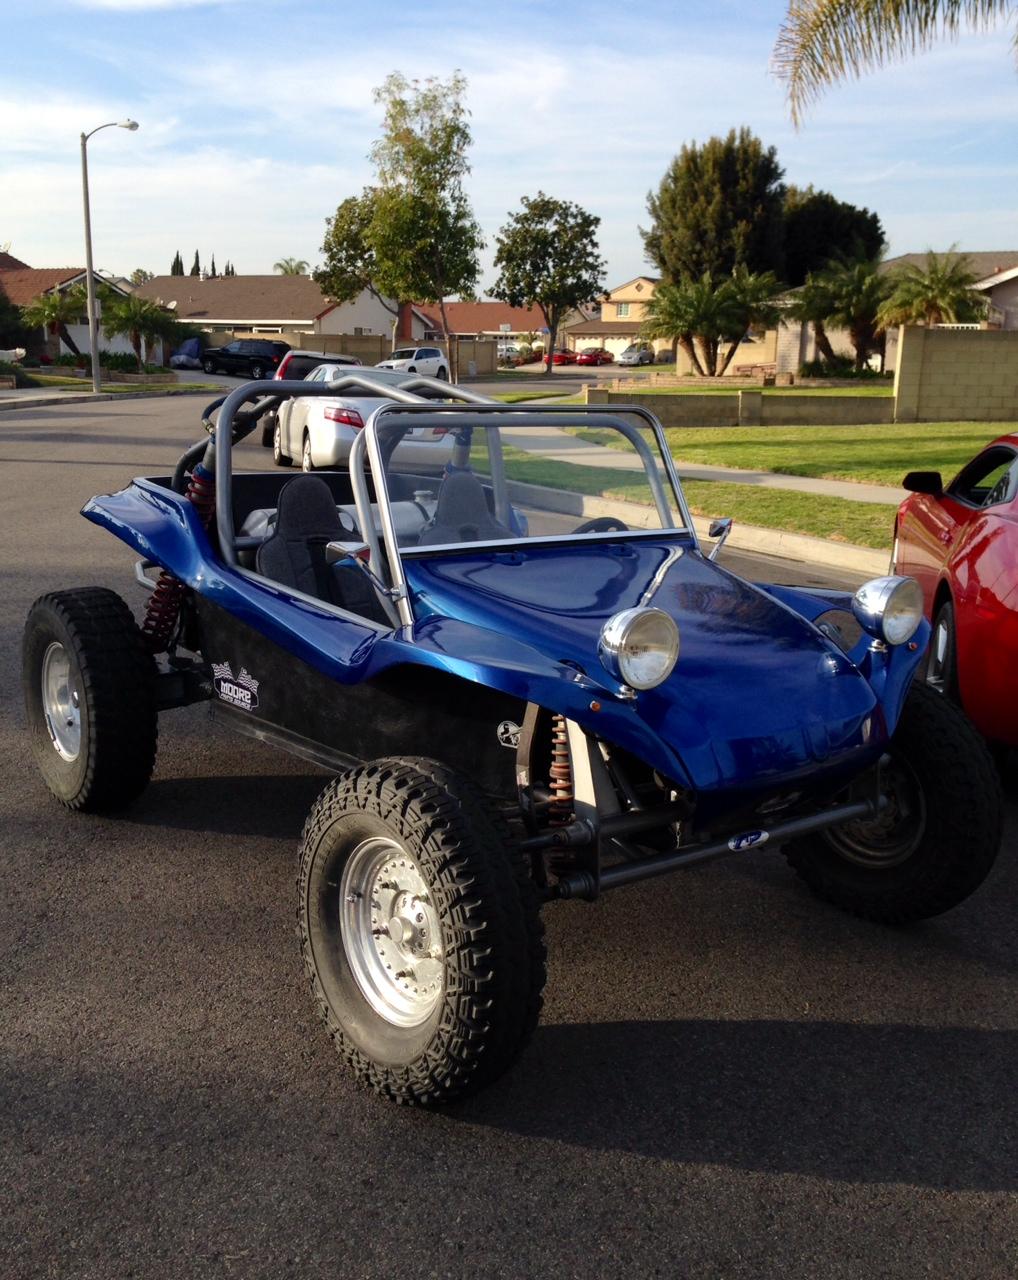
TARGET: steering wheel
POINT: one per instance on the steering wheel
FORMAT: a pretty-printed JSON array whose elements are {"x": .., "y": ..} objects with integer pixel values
[
  {"x": 999, "y": 491},
  {"x": 602, "y": 524}
]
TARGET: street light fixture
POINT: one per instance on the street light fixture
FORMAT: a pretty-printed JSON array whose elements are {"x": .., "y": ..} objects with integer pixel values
[{"x": 93, "y": 327}]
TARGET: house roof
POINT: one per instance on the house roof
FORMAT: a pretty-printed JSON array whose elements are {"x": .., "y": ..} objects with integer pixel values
[
  {"x": 999, "y": 277},
  {"x": 485, "y": 317},
  {"x": 8, "y": 262},
  {"x": 25, "y": 283},
  {"x": 983, "y": 263},
  {"x": 655, "y": 280},
  {"x": 254, "y": 299},
  {"x": 604, "y": 328}
]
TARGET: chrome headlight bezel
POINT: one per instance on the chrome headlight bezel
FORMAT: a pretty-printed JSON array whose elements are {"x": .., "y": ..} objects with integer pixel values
[
  {"x": 632, "y": 627},
  {"x": 889, "y": 608}
]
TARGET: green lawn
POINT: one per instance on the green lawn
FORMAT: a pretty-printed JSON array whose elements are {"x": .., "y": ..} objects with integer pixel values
[
  {"x": 836, "y": 519},
  {"x": 879, "y": 454},
  {"x": 517, "y": 397},
  {"x": 864, "y": 389},
  {"x": 45, "y": 382}
]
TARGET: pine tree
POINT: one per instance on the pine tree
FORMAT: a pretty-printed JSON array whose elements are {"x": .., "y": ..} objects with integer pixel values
[
  {"x": 177, "y": 267},
  {"x": 196, "y": 265},
  {"x": 212, "y": 269}
]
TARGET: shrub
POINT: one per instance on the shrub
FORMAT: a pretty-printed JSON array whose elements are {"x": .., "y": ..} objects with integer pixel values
[{"x": 843, "y": 367}]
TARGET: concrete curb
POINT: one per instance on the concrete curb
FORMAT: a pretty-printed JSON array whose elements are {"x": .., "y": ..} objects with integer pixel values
[
  {"x": 47, "y": 402},
  {"x": 746, "y": 537}
]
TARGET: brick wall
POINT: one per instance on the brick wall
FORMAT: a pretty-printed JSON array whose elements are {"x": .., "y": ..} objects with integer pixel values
[
  {"x": 753, "y": 408},
  {"x": 945, "y": 375}
]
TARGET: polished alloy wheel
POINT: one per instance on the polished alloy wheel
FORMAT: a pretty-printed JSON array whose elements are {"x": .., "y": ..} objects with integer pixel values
[
  {"x": 306, "y": 461},
  {"x": 391, "y": 932},
  {"x": 61, "y": 702}
]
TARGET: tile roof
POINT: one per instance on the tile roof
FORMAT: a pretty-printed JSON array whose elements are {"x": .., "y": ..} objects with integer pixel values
[
  {"x": 984, "y": 262},
  {"x": 257, "y": 299},
  {"x": 8, "y": 262},
  {"x": 22, "y": 284},
  {"x": 484, "y": 317},
  {"x": 604, "y": 328}
]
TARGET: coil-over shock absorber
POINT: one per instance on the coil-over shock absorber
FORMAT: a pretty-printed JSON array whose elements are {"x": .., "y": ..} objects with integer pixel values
[
  {"x": 163, "y": 609},
  {"x": 560, "y": 807}
]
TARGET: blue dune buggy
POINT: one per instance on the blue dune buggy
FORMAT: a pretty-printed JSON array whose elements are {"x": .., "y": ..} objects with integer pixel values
[{"x": 531, "y": 684}]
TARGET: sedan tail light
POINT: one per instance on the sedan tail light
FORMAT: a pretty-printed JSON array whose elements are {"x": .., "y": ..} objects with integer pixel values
[
  {"x": 349, "y": 417},
  {"x": 281, "y": 371}
]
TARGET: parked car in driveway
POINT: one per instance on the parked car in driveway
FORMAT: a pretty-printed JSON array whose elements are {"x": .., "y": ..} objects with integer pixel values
[
  {"x": 637, "y": 353},
  {"x": 298, "y": 364},
  {"x": 429, "y": 361},
  {"x": 319, "y": 432},
  {"x": 561, "y": 356},
  {"x": 247, "y": 357},
  {"x": 960, "y": 543},
  {"x": 595, "y": 355}
]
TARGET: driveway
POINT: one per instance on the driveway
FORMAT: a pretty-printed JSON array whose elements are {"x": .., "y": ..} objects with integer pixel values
[{"x": 729, "y": 1080}]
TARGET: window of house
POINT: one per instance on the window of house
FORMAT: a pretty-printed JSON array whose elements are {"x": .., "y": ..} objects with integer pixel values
[{"x": 623, "y": 310}]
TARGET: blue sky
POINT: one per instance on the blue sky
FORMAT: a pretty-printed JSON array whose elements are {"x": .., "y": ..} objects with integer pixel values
[{"x": 257, "y": 117}]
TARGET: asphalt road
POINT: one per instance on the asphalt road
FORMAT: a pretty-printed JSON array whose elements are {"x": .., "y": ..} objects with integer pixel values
[{"x": 730, "y": 1079}]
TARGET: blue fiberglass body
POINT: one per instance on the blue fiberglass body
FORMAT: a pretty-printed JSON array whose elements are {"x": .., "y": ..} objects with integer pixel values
[{"x": 759, "y": 700}]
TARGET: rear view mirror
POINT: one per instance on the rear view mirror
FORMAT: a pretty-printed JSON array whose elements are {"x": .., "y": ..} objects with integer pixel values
[
  {"x": 719, "y": 528},
  {"x": 924, "y": 482}
]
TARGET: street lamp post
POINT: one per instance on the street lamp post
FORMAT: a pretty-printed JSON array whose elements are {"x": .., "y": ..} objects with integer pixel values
[{"x": 93, "y": 326}]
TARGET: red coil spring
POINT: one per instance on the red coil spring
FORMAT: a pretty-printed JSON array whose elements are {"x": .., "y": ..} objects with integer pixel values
[
  {"x": 560, "y": 810},
  {"x": 163, "y": 608}
]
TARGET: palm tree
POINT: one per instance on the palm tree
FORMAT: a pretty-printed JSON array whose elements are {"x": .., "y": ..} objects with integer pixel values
[
  {"x": 136, "y": 319},
  {"x": 291, "y": 267},
  {"x": 812, "y": 304},
  {"x": 824, "y": 41},
  {"x": 701, "y": 315},
  {"x": 857, "y": 291},
  {"x": 751, "y": 304},
  {"x": 55, "y": 311},
  {"x": 938, "y": 293}
]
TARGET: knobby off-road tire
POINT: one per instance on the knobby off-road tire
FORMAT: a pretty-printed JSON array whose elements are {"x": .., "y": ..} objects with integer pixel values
[
  {"x": 938, "y": 840},
  {"x": 477, "y": 897},
  {"x": 83, "y": 655}
]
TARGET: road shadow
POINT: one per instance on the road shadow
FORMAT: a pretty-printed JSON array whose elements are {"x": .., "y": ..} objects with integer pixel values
[
  {"x": 270, "y": 805},
  {"x": 927, "y": 1106}
]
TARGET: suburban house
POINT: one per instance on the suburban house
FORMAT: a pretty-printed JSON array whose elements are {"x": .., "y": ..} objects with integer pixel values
[
  {"x": 623, "y": 310},
  {"x": 22, "y": 284},
  {"x": 273, "y": 304},
  {"x": 484, "y": 320}
]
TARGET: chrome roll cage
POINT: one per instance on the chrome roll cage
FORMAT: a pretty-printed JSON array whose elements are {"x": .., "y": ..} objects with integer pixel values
[{"x": 410, "y": 409}]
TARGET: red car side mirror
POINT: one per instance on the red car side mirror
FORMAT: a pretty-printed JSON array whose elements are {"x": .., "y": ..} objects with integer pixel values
[{"x": 929, "y": 482}]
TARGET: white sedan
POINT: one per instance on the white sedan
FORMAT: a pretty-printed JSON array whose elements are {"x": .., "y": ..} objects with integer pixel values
[{"x": 319, "y": 431}]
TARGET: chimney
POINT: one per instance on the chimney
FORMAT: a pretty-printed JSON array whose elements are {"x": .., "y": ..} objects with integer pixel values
[{"x": 405, "y": 322}]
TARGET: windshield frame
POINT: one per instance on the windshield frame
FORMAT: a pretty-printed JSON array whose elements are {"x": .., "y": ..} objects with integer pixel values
[{"x": 367, "y": 450}]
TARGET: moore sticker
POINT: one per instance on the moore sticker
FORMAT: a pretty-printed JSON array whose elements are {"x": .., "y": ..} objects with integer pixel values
[{"x": 239, "y": 691}]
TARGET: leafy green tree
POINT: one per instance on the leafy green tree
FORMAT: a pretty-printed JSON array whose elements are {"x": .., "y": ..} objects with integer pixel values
[
  {"x": 13, "y": 331},
  {"x": 819, "y": 227},
  {"x": 290, "y": 267},
  {"x": 55, "y": 311},
  {"x": 422, "y": 231},
  {"x": 824, "y": 41},
  {"x": 195, "y": 266},
  {"x": 718, "y": 206},
  {"x": 177, "y": 266},
  {"x": 548, "y": 257},
  {"x": 939, "y": 292},
  {"x": 857, "y": 292},
  {"x": 140, "y": 276},
  {"x": 137, "y": 319},
  {"x": 702, "y": 316},
  {"x": 349, "y": 265}
]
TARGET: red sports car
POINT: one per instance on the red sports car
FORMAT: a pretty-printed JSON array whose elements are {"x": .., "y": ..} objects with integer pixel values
[
  {"x": 961, "y": 543},
  {"x": 595, "y": 355},
  {"x": 561, "y": 356}
]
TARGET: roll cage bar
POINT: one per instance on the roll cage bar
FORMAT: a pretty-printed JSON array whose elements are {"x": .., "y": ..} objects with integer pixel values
[{"x": 419, "y": 410}]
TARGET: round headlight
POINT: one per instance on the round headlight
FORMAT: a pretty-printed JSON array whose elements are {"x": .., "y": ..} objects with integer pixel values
[
  {"x": 639, "y": 647},
  {"x": 889, "y": 608}
]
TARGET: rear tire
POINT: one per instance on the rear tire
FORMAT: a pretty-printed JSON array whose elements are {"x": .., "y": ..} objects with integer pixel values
[
  {"x": 938, "y": 839},
  {"x": 209, "y": 366},
  {"x": 257, "y": 372},
  {"x": 280, "y": 458},
  {"x": 89, "y": 686},
  {"x": 465, "y": 929},
  {"x": 442, "y": 375}
]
